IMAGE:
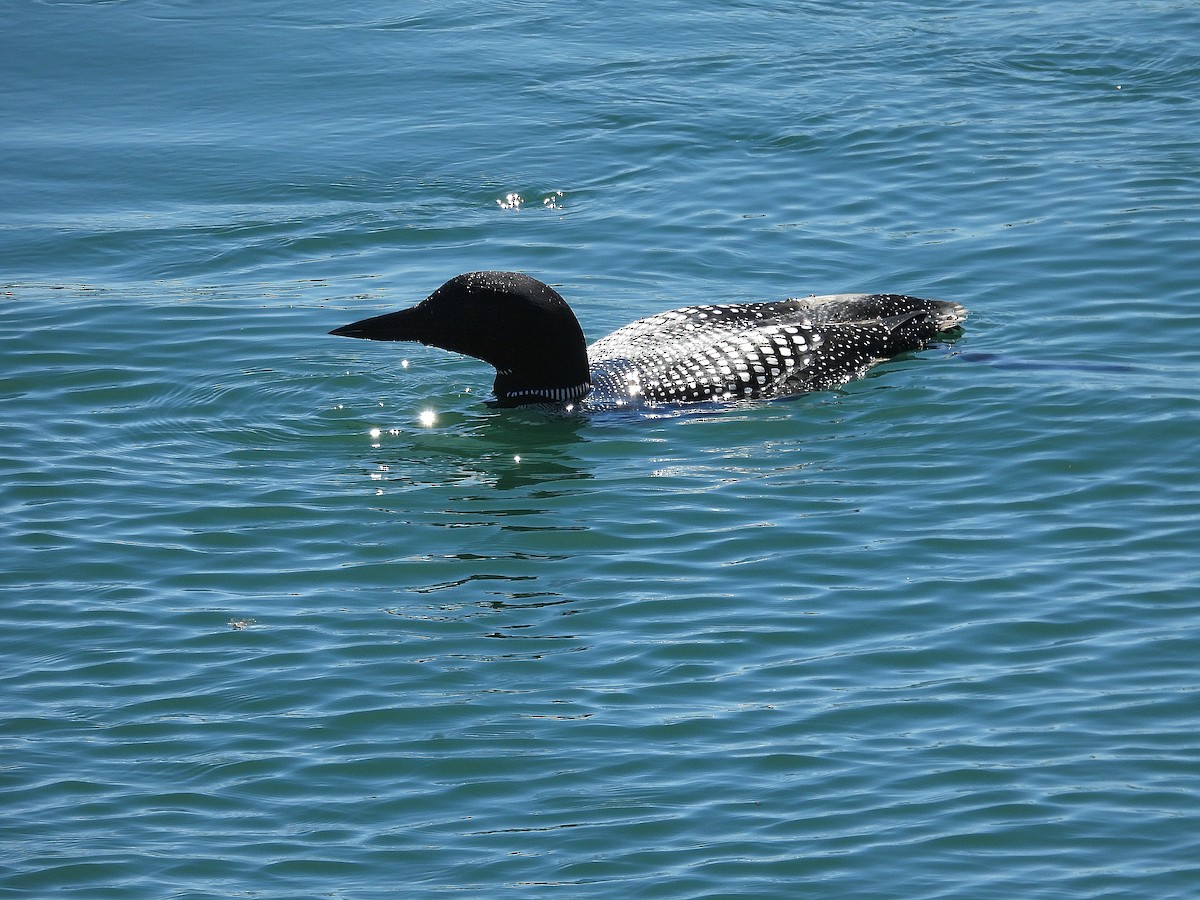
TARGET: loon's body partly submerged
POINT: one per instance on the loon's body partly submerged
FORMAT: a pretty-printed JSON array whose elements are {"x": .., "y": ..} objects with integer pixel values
[{"x": 744, "y": 351}]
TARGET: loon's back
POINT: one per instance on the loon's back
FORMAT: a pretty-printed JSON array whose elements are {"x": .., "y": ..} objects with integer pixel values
[{"x": 759, "y": 350}]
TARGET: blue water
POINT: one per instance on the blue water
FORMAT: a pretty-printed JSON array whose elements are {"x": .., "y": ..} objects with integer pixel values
[{"x": 289, "y": 615}]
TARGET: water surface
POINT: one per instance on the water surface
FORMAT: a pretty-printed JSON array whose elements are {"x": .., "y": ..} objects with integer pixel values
[{"x": 266, "y": 632}]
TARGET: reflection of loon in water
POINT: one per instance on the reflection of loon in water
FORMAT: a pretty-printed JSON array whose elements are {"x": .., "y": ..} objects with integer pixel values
[{"x": 698, "y": 353}]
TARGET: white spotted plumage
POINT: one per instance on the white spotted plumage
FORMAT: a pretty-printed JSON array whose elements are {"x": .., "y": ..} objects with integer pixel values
[{"x": 756, "y": 350}]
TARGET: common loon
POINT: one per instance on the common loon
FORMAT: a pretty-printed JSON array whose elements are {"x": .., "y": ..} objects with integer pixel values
[{"x": 698, "y": 353}]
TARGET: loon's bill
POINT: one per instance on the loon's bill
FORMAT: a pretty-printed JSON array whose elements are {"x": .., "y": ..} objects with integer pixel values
[{"x": 738, "y": 351}]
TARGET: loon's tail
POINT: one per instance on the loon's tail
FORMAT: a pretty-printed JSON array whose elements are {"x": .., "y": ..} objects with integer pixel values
[
  {"x": 947, "y": 314},
  {"x": 856, "y": 331},
  {"x": 862, "y": 309}
]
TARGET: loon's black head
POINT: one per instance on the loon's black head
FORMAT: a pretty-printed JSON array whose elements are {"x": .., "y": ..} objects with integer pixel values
[{"x": 516, "y": 323}]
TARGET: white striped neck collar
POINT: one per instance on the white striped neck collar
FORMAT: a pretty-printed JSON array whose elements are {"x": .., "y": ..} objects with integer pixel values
[{"x": 526, "y": 396}]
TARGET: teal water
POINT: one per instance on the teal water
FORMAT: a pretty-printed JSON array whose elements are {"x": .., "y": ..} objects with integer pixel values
[{"x": 265, "y": 633}]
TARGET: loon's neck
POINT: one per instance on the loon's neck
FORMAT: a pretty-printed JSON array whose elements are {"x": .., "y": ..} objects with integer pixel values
[
  {"x": 525, "y": 388},
  {"x": 526, "y": 330}
]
